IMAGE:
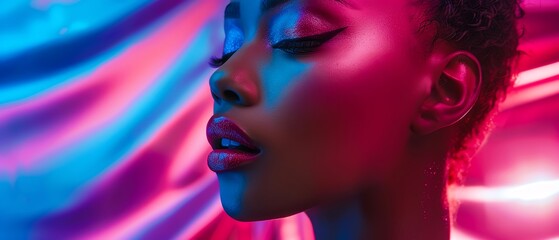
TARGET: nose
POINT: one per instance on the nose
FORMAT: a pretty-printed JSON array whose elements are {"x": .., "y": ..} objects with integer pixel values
[{"x": 234, "y": 87}]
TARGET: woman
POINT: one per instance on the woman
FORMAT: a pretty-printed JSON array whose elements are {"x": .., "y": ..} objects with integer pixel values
[{"x": 359, "y": 113}]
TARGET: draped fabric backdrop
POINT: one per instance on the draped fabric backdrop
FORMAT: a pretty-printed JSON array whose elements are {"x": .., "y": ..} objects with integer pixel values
[{"x": 103, "y": 107}]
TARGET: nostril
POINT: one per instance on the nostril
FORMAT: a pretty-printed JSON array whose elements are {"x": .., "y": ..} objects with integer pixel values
[{"x": 231, "y": 96}]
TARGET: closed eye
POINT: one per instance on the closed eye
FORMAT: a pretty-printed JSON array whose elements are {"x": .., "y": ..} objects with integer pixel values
[
  {"x": 295, "y": 46},
  {"x": 305, "y": 45}
]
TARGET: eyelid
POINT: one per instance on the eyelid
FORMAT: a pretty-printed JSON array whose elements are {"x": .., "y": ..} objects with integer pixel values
[
  {"x": 234, "y": 39},
  {"x": 318, "y": 38},
  {"x": 302, "y": 43}
]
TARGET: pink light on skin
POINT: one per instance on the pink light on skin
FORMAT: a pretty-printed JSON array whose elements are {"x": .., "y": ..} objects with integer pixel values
[{"x": 112, "y": 82}]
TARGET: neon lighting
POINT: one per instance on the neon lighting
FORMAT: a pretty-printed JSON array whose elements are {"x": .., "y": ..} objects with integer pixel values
[
  {"x": 527, "y": 192},
  {"x": 537, "y": 74},
  {"x": 530, "y": 94}
]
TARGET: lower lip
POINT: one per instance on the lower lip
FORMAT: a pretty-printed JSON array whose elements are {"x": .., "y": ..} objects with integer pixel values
[{"x": 227, "y": 159}]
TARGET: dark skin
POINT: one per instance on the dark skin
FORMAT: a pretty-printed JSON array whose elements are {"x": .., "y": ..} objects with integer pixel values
[{"x": 355, "y": 131}]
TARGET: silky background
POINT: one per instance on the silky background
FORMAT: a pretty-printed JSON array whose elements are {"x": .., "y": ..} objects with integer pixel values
[{"x": 103, "y": 107}]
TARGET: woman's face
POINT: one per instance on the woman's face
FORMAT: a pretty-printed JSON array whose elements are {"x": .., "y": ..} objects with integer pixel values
[{"x": 326, "y": 90}]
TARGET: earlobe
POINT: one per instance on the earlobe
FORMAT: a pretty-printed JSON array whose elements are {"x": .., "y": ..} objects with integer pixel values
[{"x": 452, "y": 94}]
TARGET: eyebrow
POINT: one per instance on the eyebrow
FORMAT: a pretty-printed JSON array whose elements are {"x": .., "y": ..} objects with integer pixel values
[
  {"x": 233, "y": 9},
  {"x": 269, "y": 4}
]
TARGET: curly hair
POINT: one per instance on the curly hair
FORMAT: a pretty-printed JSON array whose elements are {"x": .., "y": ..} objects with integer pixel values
[{"x": 487, "y": 29}]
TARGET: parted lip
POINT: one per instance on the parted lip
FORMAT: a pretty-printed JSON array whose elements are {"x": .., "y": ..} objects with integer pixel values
[{"x": 220, "y": 127}]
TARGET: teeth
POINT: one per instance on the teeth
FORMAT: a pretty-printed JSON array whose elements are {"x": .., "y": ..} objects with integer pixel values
[
  {"x": 228, "y": 143},
  {"x": 234, "y": 144},
  {"x": 225, "y": 142}
]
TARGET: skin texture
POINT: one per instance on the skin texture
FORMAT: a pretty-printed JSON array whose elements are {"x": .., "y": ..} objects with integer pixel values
[{"x": 354, "y": 133}]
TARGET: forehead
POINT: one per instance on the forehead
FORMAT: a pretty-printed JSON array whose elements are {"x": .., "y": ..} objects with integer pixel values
[
  {"x": 266, "y": 5},
  {"x": 247, "y": 8}
]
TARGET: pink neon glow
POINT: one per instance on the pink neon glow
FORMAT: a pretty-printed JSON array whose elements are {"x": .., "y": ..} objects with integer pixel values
[
  {"x": 526, "y": 192},
  {"x": 532, "y": 93},
  {"x": 537, "y": 74}
]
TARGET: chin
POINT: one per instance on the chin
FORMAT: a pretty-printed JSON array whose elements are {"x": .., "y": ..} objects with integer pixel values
[
  {"x": 246, "y": 201},
  {"x": 247, "y": 209},
  {"x": 244, "y": 212},
  {"x": 240, "y": 214},
  {"x": 233, "y": 193}
]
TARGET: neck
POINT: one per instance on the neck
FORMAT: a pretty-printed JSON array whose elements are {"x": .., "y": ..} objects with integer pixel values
[{"x": 412, "y": 205}]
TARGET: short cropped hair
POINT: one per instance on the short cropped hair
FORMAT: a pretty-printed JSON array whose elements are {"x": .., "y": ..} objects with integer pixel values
[{"x": 487, "y": 29}]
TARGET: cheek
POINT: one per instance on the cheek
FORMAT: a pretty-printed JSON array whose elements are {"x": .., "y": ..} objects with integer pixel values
[
  {"x": 332, "y": 123},
  {"x": 279, "y": 77},
  {"x": 347, "y": 121}
]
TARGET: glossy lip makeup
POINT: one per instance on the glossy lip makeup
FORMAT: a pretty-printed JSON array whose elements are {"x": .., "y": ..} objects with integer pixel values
[{"x": 232, "y": 147}]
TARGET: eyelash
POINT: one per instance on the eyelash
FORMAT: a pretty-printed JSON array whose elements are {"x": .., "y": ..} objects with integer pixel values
[
  {"x": 216, "y": 62},
  {"x": 295, "y": 46},
  {"x": 305, "y": 45}
]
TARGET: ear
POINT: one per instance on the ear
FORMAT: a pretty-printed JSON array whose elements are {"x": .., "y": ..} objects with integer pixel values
[{"x": 453, "y": 93}]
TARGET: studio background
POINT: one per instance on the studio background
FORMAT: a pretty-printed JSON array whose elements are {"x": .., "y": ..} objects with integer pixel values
[{"x": 103, "y": 107}]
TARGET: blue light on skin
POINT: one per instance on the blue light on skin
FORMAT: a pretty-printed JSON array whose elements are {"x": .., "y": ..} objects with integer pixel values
[
  {"x": 273, "y": 73},
  {"x": 234, "y": 34},
  {"x": 232, "y": 188},
  {"x": 282, "y": 26},
  {"x": 281, "y": 73},
  {"x": 282, "y": 66},
  {"x": 276, "y": 74},
  {"x": 234, "y": 37},
  {"x": 290, "y": 21},
  {"x": 250, "y": 12}
]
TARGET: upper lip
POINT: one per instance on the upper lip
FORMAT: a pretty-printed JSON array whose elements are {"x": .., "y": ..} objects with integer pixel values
[{"x": 222, "y": 127}]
